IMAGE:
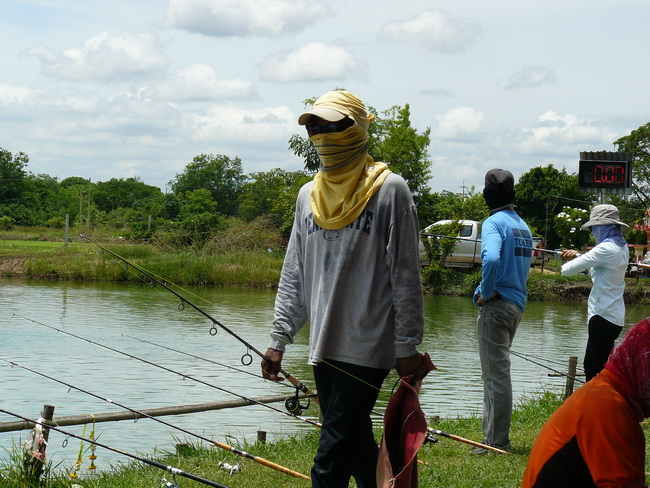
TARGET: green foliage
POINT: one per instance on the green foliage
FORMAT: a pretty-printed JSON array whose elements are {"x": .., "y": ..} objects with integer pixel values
[
  {"x": 55, "y": 222},
  {"x": 393, "y": 141},
  {"x": 12, "y": 174},
  {"x": 219, "y": 174},
  {"x": 567, "y": 225},
  {"x": 7, "y": 223},
  {"x": 303, "y": 148},
  {"x": 638, "y": 144},
  {"x": 267, "y": 194},
  {"x": 438, "y": 248},
  {"x": 123, "y": 193},
  {"x": 539, "y": 196}
]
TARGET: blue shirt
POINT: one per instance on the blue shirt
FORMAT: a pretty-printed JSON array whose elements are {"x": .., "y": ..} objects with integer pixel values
[{"x": 506, "y": 249}]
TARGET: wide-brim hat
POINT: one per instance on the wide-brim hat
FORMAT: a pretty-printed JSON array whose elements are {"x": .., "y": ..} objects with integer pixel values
[{"x": 604, "y": 214}]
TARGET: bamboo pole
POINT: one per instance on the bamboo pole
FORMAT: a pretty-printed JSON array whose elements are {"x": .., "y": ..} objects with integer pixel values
[{"x": 152, "y": 412}]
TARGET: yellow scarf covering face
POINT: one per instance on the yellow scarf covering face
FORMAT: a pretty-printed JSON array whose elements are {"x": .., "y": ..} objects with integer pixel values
[{"x": 348, "y": 175}]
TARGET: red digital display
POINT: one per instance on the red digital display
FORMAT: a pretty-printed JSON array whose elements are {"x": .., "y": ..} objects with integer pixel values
[{"x": 603, "y": 174}]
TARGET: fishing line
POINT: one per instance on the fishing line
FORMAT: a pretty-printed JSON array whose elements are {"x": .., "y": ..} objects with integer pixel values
[
  {"x": 182, "y": 375},
  {"x": 151, "y": 462},
  {"x": 247, "y": 359},
  {"x": 292, "y": 404},
  {"x": 142, "y": 414},
  {"x": 203, "y": 359},
  {"x": 522, "y": 356}
]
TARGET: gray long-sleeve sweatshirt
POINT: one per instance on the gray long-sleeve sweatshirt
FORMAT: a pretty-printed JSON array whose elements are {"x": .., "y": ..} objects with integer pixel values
[{"x": 359, "y": 286}]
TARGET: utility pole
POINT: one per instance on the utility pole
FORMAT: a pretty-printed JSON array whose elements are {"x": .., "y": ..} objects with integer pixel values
[{"x": 88, "y": 220}]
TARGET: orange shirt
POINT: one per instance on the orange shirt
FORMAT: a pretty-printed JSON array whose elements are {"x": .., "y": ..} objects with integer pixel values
[{"x": 593, "y": 440}]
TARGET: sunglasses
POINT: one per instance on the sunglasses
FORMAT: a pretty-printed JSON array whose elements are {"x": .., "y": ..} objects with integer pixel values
[{"x": 339, "y": 126}]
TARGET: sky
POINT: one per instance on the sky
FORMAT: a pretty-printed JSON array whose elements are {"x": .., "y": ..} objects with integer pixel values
[{"x": 117, "y": 89}]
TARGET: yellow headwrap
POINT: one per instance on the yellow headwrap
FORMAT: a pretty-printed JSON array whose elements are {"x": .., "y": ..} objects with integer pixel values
[{"x": 348, "y": 175}]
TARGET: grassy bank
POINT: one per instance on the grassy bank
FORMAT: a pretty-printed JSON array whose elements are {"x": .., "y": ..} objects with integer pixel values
[
  {"x": 245, "y": 268},
  {"x": 86, "y": 261},
  {"x": 446, "y": 463}
]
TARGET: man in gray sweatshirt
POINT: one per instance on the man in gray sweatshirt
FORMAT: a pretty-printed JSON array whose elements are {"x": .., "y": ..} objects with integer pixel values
[{"x": 352, "y": 271}]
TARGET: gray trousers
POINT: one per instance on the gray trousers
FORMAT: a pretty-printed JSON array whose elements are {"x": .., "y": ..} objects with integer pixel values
[{"x": 496, "y": 326}]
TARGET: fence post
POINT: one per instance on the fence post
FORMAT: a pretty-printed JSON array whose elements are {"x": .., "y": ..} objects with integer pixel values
[
  {"x": 261, "y": 436},
  {"x": 570, "y": 379},
  {"x": 37, "y": 459}
]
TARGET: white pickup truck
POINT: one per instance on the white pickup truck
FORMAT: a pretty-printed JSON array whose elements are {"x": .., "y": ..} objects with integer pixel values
[{"x": 467, "y": 252}]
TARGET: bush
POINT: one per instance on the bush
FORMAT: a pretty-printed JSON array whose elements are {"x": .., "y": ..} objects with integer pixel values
[
  {"x": 7, "y": 223},
  {"x": 56, "y": 223}
]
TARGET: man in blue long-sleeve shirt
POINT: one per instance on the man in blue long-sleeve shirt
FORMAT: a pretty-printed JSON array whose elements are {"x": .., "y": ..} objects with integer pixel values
[{"x": 506, "y": 244}]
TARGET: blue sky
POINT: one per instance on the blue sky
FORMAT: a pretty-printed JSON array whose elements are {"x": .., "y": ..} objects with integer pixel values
[{"x": 138, "y": 88}]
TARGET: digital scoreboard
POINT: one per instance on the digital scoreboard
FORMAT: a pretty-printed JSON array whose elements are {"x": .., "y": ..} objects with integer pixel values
[{"x": 605, "y": 172}]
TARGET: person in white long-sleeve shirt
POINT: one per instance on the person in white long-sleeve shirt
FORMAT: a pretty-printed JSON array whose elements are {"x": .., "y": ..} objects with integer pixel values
[{"x": 607, "y": 263}]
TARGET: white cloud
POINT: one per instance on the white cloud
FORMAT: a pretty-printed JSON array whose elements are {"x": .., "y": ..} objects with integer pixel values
[
  {"x": 563, "y": 134},
  {"x": 244, "y": 18},
  {"x": 460, "y": 124},
  {"x": 232, "y": 125},
  {"x": 435, "y": 30},
  {"x": 315, "y": 61},
  {"x": 18, "y": 95},
  {"x": 531, "y": 76},
  {"x": 108, "y": 56},
  {"x": 199, "y": 82}
]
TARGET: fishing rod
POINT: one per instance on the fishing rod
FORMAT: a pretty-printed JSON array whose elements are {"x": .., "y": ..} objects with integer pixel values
[
  {"x": 246, "y": 358},
  {"x": 175, "y": 471},
  {"x": 212, "y": 361},
  {"x": 221, "y": 445},
  {"x": 165, "y": 368},
  {"x": 524, "y": 357},
  {"x": 431, "y": 432},
  {"x": 442, "y": 236},
  {"x": 292, "y": 404}
]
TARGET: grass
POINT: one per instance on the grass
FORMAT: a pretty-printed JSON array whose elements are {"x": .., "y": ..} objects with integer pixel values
[
  {"x": 445, "y": 463},
  {"x": 86, "y": 261}
]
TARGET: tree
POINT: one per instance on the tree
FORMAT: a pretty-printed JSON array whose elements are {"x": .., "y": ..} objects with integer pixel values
[
  {"x": 540, "y": 195},
  {"x": 265, "y": 194},
  {"x": 393, "y": 141},
  {"x": 123, "y": 193},
  {"x": 12, "y": 175},
  {"x": 219, "y": 174},
  {"x": 196, "y": 202},
  {"x": 638, "y": 144}
]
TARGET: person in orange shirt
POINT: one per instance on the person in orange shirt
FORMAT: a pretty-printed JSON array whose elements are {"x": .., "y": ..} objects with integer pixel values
[{"x": 594, "y": 439}]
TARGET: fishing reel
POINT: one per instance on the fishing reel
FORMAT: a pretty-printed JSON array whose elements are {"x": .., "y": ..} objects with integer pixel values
[
  {"x": 169, "y": 484},
  {"x": 430, "y": 438},
  {"x": 231, "y": 468},
  {"x": 293, "y": 406}
]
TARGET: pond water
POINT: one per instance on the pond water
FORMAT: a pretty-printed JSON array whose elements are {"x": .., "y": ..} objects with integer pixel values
[{"x": 121, "y": 316}]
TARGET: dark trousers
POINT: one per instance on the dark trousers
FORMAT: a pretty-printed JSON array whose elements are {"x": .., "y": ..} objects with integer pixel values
[
  {"x": 602, "y": 334},
  {"x": 347, "y": 447}
]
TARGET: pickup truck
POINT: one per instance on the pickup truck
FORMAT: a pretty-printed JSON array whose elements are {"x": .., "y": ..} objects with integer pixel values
[{"x": 467, "y": 252}]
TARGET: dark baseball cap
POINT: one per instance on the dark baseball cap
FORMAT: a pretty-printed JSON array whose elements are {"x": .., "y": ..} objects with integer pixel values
[{"x": 499, "y": 180}]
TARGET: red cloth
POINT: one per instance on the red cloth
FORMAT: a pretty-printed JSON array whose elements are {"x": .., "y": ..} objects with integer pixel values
[
  {"x": 630, "y": 360},
  {"x": 405, "y": 429}
]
